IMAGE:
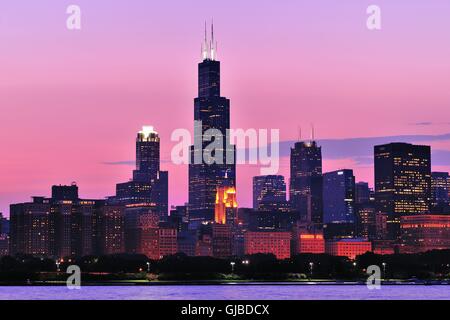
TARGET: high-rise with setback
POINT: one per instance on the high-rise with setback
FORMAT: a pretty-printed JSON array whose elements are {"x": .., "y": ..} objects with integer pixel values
[
  {"x": 305, "y": 191},
  {"x": 211, "y": 114}
]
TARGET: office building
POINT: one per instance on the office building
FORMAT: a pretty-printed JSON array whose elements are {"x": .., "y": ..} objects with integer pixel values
[
  {"x": 421, "y": 233},
  {"x": 339, "y": 196},
  {"x": 211, "y": 112},
  {"x": 305, "y": 188},
  {"x": 350, "y": 248},
  {"x": 277, "y": 243}
]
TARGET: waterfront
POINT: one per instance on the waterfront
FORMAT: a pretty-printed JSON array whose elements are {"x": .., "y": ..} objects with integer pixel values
[{"x": 228, "y": 292}]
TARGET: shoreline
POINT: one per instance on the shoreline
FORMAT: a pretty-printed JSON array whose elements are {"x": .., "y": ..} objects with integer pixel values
[{"x": 144, "y": 283}]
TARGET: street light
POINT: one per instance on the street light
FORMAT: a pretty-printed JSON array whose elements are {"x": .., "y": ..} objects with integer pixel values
[
  {"x": 57, "y": 265},
  {"x": 148, "y": 267},
  {"x": 311, "y": 265},
  {"x": 232, "y": 263},
  {"x": 384, "y": 269}
]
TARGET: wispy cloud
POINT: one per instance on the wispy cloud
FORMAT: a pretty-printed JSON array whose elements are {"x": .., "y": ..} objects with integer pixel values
[
  {"x": 129, "y": 162},
  {"x": 361, "y": 149},
  {"x": 429, "y": 123},
  {"x": 120, "y": 163}
]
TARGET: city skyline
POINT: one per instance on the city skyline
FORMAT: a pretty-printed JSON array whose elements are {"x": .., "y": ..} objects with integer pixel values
[{"x": 91, "y": 145}]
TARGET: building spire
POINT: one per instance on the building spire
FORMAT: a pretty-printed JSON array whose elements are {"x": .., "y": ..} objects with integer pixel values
[
  {"x": 312, "y": 132},
  {"x": 212, "y": 43},
  {"x": 205, "y": 48}
]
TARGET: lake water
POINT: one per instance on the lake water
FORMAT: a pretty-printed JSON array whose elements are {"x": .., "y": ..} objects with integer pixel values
[{"x": 227, "y": 292}]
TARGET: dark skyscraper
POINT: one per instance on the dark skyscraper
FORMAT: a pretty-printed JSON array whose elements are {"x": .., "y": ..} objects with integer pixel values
[
  {"x": 149, "y": 186},
  {"x": 305, "y": 192},
  {"x": 440, "y": 192},
  {"x": 214, "y": 113},
  {"x": 402, "y": 182},
  {"x": 339, "y": 197},
  {"x": 147, "y": 155},
  {"x": 403, "y": 178},
  {"x": 362, "y": 193},
  {"x": 268, "y": 190}
]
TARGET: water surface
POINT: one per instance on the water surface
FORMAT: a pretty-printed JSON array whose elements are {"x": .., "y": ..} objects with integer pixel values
[{"x": 227, "y": 292}]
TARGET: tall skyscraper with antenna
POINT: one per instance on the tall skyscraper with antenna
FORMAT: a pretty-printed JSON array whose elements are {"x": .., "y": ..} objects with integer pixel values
[
  {"x": 213, "y": 111},
  {"x": 305, "y": 187}
]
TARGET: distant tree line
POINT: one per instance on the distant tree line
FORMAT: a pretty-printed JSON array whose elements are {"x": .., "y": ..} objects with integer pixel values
[{"x": 429, "y": 265}]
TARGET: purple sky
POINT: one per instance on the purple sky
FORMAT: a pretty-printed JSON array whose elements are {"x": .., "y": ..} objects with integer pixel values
[{"x": 72, "y": 101}]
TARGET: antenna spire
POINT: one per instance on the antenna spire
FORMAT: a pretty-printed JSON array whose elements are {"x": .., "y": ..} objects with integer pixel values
[
  {"x": 205, "y": 49},
  {"x": 312, "y": 132},
  {"x": 212, "y": 44}
]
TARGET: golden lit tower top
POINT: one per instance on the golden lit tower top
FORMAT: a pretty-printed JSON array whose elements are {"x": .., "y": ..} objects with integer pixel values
[{"x": 225, "y": 202}]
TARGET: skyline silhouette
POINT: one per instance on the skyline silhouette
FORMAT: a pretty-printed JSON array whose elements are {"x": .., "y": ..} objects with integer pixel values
[{"x": 68, "y": 115}]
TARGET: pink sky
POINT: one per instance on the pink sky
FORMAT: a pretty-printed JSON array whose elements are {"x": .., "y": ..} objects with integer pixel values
[{"x": 71, "y": 101}]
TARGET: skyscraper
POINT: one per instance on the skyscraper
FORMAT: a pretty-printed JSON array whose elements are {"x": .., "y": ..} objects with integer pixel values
[
  {"x": 149, "y": 186},
  {"x": 402, "y": 182},
  {"x": 403, "y": 178},
  {"x": 305, "y": 192},
  {"x": 225, "y": 211},
  {"x": 147, "y": 155},
  {"x": 30, "y": 230},
  {"x": 60, "y": 226},
  {"x": 362, "y": 192},
  {"x": 269, "y": 189},
  {"x": 339, "y": 196},
  {"x": 440, "y": 191},
  {"x": 211, "y": 112}
]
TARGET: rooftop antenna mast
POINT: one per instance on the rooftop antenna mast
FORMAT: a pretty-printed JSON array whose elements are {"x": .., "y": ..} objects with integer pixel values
[
  {"x": 212, "y": 44},
  {"x": 205, "y": 49}
]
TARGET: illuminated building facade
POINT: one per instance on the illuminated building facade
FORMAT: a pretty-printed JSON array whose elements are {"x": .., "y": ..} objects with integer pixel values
[
  {"x": 60, "y": 226},
  {"x": 110, "y": 230},
  {"x": 149, "y": 243},
  {"x": 29, "y": 231},
  {"x": 141, "y": 231},
  {"x": 350, "y": 248},
  {"x": 310, "y": 242},
  {"x": 421, "y": 233},
  {"x": 167, "y": 242},
  {"x": 366, "y": 220},
  {"x": 268, "y": 191},
  {"x": 339, "y": 197},
  {"x": 213, "y": 111},
  {"x": 225, "y": 210},
  {"x": 277, "y": 243},
  {"x": 305, "y": 190},
  {"x": 402, "y": 180}
]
